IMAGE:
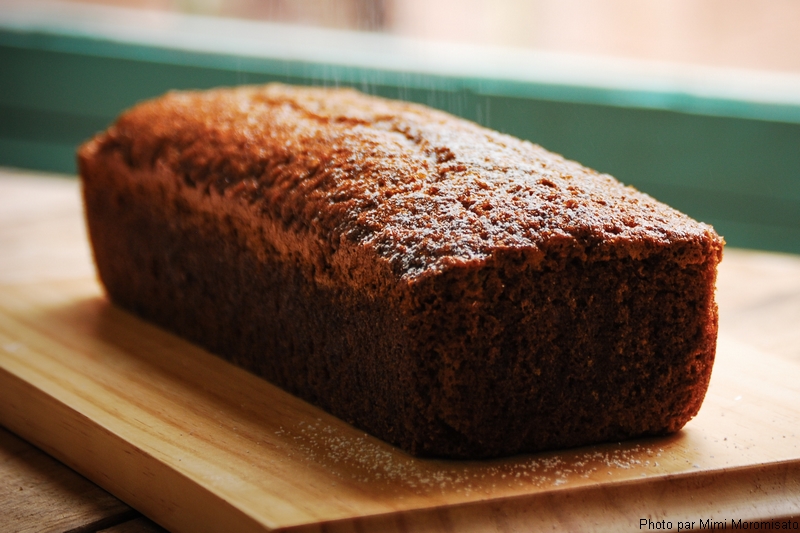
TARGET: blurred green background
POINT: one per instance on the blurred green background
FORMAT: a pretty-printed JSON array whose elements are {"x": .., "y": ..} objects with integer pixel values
[{"x": 738, "y": 169}]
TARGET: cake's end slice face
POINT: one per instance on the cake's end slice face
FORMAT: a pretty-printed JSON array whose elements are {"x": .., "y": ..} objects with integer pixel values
[
  {"x": 450, "y": 289},
  {"x": 580, "y": 351}
]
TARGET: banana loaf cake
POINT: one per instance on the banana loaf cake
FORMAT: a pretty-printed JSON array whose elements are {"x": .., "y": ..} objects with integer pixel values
[{"x": 450, "y": 289}]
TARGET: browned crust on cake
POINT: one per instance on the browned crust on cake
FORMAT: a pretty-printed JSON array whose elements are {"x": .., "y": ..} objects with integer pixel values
[{"x": 453, "y": 290}]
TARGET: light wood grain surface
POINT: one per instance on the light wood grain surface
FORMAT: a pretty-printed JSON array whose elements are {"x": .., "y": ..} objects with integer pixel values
[
  {"x": 38, "y": 493},
  {"x": 198, "y": 445}
]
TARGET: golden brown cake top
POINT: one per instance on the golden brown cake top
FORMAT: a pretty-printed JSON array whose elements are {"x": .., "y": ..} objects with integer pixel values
[{"x": 425, "y": 189}]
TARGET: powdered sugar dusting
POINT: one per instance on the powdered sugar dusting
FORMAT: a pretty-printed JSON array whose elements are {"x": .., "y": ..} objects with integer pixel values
[{"x": 355, "y": 457}]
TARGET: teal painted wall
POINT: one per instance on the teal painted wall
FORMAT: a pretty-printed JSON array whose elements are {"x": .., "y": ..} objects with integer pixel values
[{"x": 740, "y": 174}]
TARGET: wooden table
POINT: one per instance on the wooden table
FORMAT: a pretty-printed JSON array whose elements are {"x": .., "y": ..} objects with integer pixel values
[{"x": 43, "y": 244}]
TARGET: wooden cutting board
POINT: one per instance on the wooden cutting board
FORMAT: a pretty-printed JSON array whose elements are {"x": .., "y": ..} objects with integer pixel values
[{"x": 199, "y": 445}]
